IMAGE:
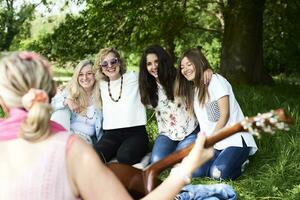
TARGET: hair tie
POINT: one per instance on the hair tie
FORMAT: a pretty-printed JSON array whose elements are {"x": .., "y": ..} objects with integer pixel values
[
  {"x": 33, "y": 96},
  {"x": 32, "y": 56},
  {"x": 25, "y": 55}
]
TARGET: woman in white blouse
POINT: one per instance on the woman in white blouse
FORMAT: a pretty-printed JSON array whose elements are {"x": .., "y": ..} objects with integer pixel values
[
  {"x": 177, "y": 128},
  {"x": 215, "y": 106}
]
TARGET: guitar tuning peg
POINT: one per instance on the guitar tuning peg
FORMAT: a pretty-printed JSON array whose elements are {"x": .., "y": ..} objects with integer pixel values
[
  {"x": 259, "y": 123},
  {"x": 268, "y": 129},
  {"x": 245, "y": 124},
  {"x": 273, "y": 120},
  {"x": 256, "y": 132},
  {"x": 257, "y": 118},
  {"x": 280, "y": 125}
]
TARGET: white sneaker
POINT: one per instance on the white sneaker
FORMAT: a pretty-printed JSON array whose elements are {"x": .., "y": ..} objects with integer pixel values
[{"x": 244, "y": 165}]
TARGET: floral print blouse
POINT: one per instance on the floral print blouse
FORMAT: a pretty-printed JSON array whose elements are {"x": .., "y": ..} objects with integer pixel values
[{"x": 173, "y": 120}]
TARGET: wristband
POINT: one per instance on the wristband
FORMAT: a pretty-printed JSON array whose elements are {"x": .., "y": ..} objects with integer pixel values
[{"x": 178, "y": 171}]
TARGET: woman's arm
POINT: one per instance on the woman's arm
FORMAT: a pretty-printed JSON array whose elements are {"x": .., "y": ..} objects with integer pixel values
[
  {"x": 207, "y": 75},
  {"x": 175, "y": 181},
  {"x": 223, "y": 104},
  {"x": 57, "y": 102},
  {"x": 62, "y": 100},
  {"x": 91, "y": 179}
]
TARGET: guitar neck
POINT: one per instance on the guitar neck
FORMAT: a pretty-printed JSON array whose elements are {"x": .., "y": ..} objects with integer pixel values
[{"x": 172, "y": 159}]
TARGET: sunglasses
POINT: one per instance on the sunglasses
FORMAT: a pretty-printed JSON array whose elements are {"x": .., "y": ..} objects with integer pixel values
[{"x": 113, "y": 61}]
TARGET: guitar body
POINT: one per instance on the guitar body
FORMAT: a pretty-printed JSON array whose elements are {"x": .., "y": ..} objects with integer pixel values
[
  {"x": 140, "y": 182},
  {"x": 136, "y": 181}
]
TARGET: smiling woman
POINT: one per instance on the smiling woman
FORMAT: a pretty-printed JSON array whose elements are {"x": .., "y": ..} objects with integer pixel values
[
  {"x": 215, "y": 107},
  {"x": 176, "y": 127},
  {"x": 79, "y": 106},
  {"x": 124, "y": 116}
]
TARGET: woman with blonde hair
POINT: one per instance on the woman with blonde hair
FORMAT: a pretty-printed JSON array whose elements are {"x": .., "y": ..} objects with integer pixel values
[
  {"x": 124, "y": 116},
  {"x": 81, "y": 104},
  {"x": 40, "y": 161}
]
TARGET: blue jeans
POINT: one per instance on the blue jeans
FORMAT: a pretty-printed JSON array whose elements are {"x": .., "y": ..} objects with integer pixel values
[
  {"x": 207, "y": 192},
  {"x": 163, "y": 146},
  {"x": 225, "y": 164}
]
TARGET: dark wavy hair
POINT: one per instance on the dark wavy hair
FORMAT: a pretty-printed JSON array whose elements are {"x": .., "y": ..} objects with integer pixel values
[{"x": 166, "y": 76}]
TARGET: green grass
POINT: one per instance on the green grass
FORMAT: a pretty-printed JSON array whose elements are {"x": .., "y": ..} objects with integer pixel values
[
  {"x": 274, "y": 171},
  {"x": 62, "y": 72}
]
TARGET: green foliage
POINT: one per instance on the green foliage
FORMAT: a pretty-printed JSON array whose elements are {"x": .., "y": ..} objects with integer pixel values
[
  {"x": 2, "y": 114},
  {"x": 132, "y": 25},
  {"x": 282, "y": 36},
  {"x": 15, "y": 17}
]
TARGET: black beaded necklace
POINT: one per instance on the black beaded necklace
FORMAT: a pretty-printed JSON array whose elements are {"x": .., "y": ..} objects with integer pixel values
[
  {"x": 88, "y": 117},
  {"x": 109, "y": 92}
]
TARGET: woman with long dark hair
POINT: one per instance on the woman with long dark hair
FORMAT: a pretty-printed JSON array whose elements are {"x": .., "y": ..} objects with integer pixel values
[{"x": 177, "y": 128}]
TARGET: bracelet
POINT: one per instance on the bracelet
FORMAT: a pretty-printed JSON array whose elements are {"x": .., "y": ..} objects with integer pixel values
[
  {"x": 178, "y": 171},
  {"x": 186, "y": 178}
]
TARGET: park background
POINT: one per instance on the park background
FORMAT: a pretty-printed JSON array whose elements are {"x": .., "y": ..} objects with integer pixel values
[{"x": 255, "y": 44}]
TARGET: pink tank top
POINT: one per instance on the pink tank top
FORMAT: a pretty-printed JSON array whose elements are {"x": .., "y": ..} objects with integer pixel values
[{"x": 47, "y": 179}]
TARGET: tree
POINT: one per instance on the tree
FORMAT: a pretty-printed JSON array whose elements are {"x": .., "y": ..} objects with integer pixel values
[
  {"x": 12, "y": 20},
  {"x": 242, "y": 50},
  {"x": 132, "y": 25},
  {"x": 282, "y": 36}
]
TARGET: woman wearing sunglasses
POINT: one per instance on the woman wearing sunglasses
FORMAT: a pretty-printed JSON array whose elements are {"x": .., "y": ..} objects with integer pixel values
[
  {"x": 79, "y": 108},
  {"x": 124, "y": 116}
]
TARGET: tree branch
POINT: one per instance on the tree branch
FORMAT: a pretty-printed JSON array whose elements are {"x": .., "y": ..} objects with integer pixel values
[{"x": 205, "y": 29}]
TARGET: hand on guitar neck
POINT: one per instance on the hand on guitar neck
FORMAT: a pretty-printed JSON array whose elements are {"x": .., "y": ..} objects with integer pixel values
[{"x": 141, "y": 182}]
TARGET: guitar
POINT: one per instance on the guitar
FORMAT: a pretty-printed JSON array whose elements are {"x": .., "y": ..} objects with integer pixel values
[{"x": 140, "y": 182}]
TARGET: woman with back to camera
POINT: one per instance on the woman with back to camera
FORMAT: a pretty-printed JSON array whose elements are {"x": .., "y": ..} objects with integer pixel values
[
  {"x": 215, "y": 106},
  {"x": 39, "y": 160}
]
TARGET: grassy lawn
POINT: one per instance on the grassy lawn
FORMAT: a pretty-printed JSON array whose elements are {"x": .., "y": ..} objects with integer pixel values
[{"x": 274, "y": 171}]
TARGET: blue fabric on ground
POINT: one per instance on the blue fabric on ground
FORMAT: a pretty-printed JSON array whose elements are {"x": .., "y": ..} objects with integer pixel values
[{"x": 207, "y": 192}]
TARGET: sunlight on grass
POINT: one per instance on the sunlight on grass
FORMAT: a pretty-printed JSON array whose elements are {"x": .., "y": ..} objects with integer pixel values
[{"x": 274, "y": 171}]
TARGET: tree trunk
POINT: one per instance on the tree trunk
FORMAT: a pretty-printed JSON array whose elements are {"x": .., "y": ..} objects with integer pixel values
[
  {"x": 170, "y": 46},
  {"x": 242, "y": 49}
]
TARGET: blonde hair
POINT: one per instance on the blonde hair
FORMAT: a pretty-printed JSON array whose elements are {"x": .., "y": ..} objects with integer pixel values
[
  {"x": 19, "y": 74},
  {"x": 78, "y": 94},
  {"x": 100, "y": 57}
]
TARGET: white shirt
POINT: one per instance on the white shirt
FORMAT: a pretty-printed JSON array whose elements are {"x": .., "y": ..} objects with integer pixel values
[
  {"x": 85, "y": 124},
  {"x": 172, "y": 117},
  {"x": 208, "y": 114},
  {"x": 129, "y": 110}
]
